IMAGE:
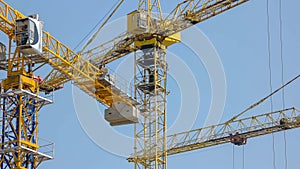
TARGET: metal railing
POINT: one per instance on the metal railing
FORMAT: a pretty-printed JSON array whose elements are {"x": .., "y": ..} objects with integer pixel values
[
  {"x": 46, "y": 147},
  {"x": 120, "y": 82}
]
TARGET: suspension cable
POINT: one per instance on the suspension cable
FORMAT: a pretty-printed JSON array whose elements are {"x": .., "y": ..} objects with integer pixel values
[
  {"x": 281, "y": 53},
  {"x": 285, "y": 150},
  {"x": 243, "y": 156},
  {"x": 273, "y": 150},
  {"x": 270, "y": 79},
  {"x": 233, "y": 156},
  {"x": 269, "y": 56},
  {"x": 263, "y": 99},
  {"x": 282, "y": 78},
  {"x": 104, "y": 23},
  {"x": 110, "y": 13}
]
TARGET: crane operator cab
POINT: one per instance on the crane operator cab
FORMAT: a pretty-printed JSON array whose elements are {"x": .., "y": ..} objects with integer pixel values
[{"x": 28, "y": 35}]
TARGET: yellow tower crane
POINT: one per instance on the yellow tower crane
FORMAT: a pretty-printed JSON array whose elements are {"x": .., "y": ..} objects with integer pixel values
[
  {"x": 148, "y": 35},
  {"x": 20, "y": 91}
]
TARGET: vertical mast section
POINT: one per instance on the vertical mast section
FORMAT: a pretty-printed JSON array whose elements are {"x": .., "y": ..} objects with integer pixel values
[
  {"x": 20, "y": 102},
  {"x": 150, "y": 85},
  {"x": 150, "y": 88}
]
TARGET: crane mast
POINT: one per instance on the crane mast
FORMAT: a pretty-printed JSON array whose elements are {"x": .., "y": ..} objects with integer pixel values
[
  {"x": 20, "y": 104},
  {"x": 150, "y": 88},
  {"x": 20, "y": 99},
  {"x": 152, "y": 34}
]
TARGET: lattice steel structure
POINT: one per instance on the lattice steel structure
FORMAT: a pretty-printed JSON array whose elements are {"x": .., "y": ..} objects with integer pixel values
[
  {"x": 20, "y": 100},
  {"x": 245, "y": 128},
  {"x": 19, "y": 106},
  {"x": 150, "y": 89},
  {"x": 19, "y": 135}
]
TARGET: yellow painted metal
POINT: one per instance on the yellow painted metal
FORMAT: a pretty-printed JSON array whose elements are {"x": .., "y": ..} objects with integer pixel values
[
  {"x": 8, "y": 16},
  {"x": 155, "y": 41},
  {"x": 29, "y": 144},
  {"x": 150, "y": 88},
  {"x": 150, "y": 42},
  {"x": 134, "y": 23},
  {"x": 19, "y": 142},
  {"x": 54, "y": 79},
  {"x": 18, "y": 120},
  {"x": 150, "y": 82},
  {"x": 151, "y": 137},
  {"x": 185, "y": 15},
  {"x": 153, "y": 12},
  {"x": 19, "y": 82},
  {"x": 81, "y": 71},
  {"x": 16, "y": 64},
  {"x": 172, "y": 39},
  {"x": 191, "y": 12},
  {"x": 114, "y": 49},
  {"x": 20, "y": 103},
  {"x": 70, "y": 65},
  {"x": 220, "y": 134}
]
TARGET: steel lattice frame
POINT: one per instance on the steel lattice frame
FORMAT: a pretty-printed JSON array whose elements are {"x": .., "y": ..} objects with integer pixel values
[
  {"x": 19, "y": 106},
  {"x": 20, "y": 117},
  {"x": 150, "y": 89},
  {"x": 19, "y": 136},
  {"x": 152, "y": 7}
]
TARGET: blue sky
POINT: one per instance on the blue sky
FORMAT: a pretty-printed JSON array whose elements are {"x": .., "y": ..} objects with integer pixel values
[{"x": 240, "y": 38}]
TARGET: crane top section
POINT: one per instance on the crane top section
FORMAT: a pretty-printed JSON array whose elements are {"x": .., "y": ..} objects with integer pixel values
[
  {"x": 183, "y": 16},
  {"x": 87, "y": 75},
  {"x": 151, "y": 9},
  {"x": 33, "y": 45},
  {"x": 137, "y": 25}
]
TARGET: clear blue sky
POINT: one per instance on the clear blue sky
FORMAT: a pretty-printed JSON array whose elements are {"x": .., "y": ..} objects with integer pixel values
[{"x": 240, "y": 38}]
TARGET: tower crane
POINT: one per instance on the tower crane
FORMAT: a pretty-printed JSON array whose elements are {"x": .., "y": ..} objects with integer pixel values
[
  {"x": 20, "y": 91},
  {"x": 149, "y": 34}
]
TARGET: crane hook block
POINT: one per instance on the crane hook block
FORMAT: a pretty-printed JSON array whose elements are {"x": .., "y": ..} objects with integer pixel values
[
  {"x": 238, "y": 139},
  {"x": 28, "y": 34}
]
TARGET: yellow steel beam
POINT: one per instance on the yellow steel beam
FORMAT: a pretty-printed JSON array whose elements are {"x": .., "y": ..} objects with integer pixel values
[
  {"x": 191, "y": 12},
  {"x": 69, "y": 64},
  {"x": 53, "y": 80},
  {"x": 114, "y": 49},
  {"x": 85, "y": 74},
  {"x": 220, "y": 134},
  {"x": 185, "y": 15},
  {"x": 8, "y": 17}
]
